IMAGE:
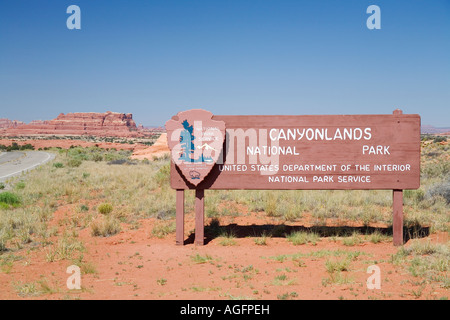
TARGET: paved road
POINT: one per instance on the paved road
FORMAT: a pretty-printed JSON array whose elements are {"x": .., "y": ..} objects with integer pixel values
[
  {"x": 16, "y": 162},
  {"x": 10, "y": 156}
]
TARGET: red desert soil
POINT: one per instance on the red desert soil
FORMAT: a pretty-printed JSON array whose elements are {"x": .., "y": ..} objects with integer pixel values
[{"x": 136, "y": 265}]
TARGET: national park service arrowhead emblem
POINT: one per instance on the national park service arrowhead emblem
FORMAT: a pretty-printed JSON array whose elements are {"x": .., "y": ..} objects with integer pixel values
[{"x": 196, "y": 143}]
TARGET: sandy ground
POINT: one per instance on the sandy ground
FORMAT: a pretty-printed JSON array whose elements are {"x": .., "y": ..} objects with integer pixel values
[{"x": 136, "y": 265}]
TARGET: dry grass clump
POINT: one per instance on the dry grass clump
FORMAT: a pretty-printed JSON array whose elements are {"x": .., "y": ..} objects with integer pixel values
[
  {"x": 163, "y": 228},
  {"x": 105, "y": 227}
]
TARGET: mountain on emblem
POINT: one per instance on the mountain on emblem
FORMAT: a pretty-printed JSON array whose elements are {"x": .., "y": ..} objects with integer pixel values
[{"x": 196, "y": 142}]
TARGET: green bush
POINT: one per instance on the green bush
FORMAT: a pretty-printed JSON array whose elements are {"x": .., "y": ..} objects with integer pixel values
[
  {"x": 27, "y": 147},
  {"x": 2, "y": 186},
  {"x": 58, "y": 165},
  {"x": 9, "y": 198},
  {"x": 97, "y": 157},
  {"x": 439, "y": 139},
  {"x": 74, "y": 163},
  {"x": 20, "y": 185},
  {"x": 105, "y": 208},
  {"x": 4, "y": 206},
  {"x": 13, "y": 147}
]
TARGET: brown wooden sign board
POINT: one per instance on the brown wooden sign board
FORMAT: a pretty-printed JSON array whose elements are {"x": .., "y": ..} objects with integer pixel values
[{"x": 309, "y": 152}]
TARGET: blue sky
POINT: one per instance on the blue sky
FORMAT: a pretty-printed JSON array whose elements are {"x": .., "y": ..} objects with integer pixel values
[{"x": 155, "y": 58}]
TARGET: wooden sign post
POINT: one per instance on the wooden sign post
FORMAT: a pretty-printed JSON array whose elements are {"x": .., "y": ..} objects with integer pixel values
[{"x": 327, "y": 152}]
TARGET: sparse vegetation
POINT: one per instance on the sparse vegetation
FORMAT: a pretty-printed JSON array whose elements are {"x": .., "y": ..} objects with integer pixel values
[
  {"x": 426, "y": 260},
  {"x": 66, "y": 248},
  {"x": 262, "y": 241},
  {"x": 227, "y": 238},
  {"x": 352, "y": 240},
  {"x": 199, "y": 259},
  {"x": 105, "y": 208},
  {"x": 105, "y": 227},
  {"x": 163, "y": 228},
  {"x": 303, "y": 237}
]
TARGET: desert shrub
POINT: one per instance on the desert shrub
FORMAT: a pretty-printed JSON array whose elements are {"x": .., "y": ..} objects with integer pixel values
[
  {"x": 166, "y": 214},
  {"x": 74, "y": 163},
  {"x": 97, "y": 157},
  {"x": 416, "y": 196},
  {"x": 227, "y": 238},
  {"x": 67, "y": 248},
  {"x": 438, "y": 169},
  {"x": 10, "y": 198},
  {"x": 105, "y": 208},
  {"x": 4, "y": 237},
  {"x": 27, "y": 147},
  {"x": 160, "y": 230},
  {"x": 271, "y": 204},
  {"x": 117, "y": 162},
  {"x": 439, "y": 139},
  {"x": 2, "y": 186},
  {"x": 20, "y": 185},
  {"x": 13, "y": 147},
  {"x": 440, "y": 189},
  {"x": 84, "y": 208},
  {"x": 164, "y": 157},
  {"x": 121, "y": 162},
  {"x": 106, "y": 227},
  {"x": 58, "y": 165},
  {"x": 303, "y": 237}
]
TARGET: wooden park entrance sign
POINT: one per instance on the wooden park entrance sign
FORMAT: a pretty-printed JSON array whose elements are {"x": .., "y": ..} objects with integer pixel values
[{"x": 298, "y": 152}]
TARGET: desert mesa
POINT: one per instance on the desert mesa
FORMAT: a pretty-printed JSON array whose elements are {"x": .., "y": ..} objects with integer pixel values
[{"x": 108, "y": 124}]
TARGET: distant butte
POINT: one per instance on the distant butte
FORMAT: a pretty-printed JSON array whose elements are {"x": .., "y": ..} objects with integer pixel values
[
  {"x": 6, "y": 123},
  {"x": 109, "y": 124}
]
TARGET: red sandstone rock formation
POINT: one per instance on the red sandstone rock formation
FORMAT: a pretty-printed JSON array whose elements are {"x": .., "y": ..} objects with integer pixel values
[
  {"x": 158, "y": 149},
  {"x": 6, "y": 123},
  {"x": 109, "y": 124}
]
